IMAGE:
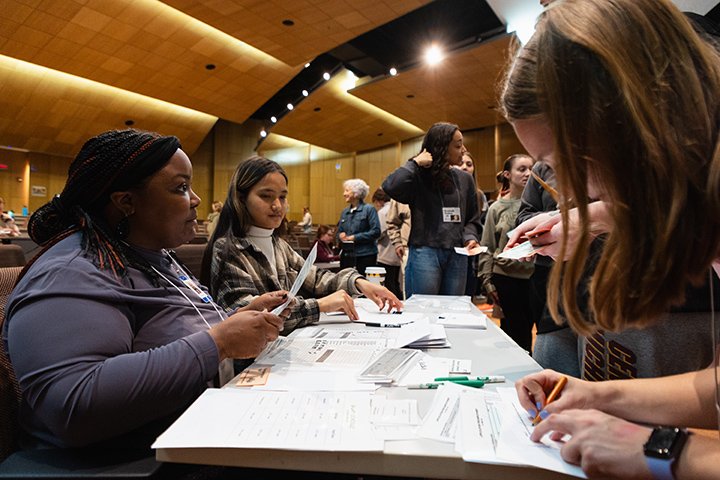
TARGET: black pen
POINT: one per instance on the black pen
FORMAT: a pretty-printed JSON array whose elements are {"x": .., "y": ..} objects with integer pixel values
[{"x": 378, "y": 324}]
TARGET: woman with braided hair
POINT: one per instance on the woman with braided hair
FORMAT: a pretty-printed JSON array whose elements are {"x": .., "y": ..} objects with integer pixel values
[{"x": 109, "y": 334}]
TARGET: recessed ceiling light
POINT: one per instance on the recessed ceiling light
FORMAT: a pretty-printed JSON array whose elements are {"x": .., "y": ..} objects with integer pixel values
[
  {"x": 263, "y": 133},
  {"x": 393, "y": 71},
  {"x": 305, "y": 93},
  {"x": 273, "y": 119},
  {"x": 210, "y": 66},
  {"x": 409, "y": 95},
  {"x": 290, "y": 106},
  {"x": 317, "y": 109},
  {"x": 380, "y": 134},
  {"x": 326, "y": 76},
  {"x": 129, "y": 123},
  {"x": 307, "y": 65},
  {"x": 288, "y": 23},
  {"x": 433, "y": 55}
]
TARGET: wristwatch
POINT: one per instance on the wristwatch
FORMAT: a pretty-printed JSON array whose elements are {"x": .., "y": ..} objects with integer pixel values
[{"x": 662, "y": 449}]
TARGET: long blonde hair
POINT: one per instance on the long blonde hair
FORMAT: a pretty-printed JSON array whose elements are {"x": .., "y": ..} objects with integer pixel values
[{"x": 631, "y": 94}]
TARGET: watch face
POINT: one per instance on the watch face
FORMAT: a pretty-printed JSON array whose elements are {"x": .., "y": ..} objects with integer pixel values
[{"x": 664, "y": 442}]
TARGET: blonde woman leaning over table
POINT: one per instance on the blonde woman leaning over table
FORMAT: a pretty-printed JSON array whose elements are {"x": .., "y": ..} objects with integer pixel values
[{"x": 641, "y": 126}]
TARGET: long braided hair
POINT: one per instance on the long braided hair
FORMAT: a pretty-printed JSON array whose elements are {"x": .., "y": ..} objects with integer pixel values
[
  {"x": 437, "y": 142},
  {"x": 113, "y": 161}
]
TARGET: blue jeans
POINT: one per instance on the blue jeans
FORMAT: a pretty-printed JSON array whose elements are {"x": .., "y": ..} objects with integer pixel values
[{"x": 435, "y": 271}]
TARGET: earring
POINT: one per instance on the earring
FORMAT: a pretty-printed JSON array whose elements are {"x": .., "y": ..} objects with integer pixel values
[{"x": 123, "y": 228}]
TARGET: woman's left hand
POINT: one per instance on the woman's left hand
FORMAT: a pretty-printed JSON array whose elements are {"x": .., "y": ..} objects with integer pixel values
[
  {"x": 379, "y": 294},
  {"x": 470, "y": 244},
  {"x": 603, "y": 445}
]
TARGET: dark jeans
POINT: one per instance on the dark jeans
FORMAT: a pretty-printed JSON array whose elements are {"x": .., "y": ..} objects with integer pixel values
[
  {"x": 392, "y": 278},
  {"x": 360, "y": 263},
  {"x": 514, "y": 296}
]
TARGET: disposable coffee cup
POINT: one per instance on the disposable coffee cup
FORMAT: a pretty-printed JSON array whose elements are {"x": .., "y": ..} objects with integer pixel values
[{"x": 375, "y": 275}]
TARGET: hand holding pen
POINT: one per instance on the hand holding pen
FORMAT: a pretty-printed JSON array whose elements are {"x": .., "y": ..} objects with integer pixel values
[{"x": 533, "y": 393}]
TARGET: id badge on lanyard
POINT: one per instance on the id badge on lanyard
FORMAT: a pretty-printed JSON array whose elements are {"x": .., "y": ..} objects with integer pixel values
[
  {"x": 194, "y": 287},
  {"x": 451, "y": 214}
]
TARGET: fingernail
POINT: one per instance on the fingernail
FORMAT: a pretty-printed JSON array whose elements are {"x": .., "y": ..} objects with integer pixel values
[
  {"x": 531, "y": 413},
  {"x": 544, "y": 414},
  {"x": 539, "y": 406}
]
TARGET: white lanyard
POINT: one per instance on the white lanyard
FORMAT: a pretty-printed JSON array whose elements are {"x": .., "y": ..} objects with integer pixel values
[{"x": 188, "y": 282}]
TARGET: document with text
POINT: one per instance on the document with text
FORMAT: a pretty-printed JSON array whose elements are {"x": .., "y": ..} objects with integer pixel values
[{"x": 236, "y": 418}]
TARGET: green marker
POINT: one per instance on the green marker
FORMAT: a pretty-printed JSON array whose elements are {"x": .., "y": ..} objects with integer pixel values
[
  {"x": 434, "y": 385},
  {"x": 490, "y": 379}
]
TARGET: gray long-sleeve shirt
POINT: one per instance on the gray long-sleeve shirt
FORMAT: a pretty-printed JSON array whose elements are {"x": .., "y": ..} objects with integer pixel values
[
  {"x": 105, "y": 360},
  {"x": 412, "y": 185}
]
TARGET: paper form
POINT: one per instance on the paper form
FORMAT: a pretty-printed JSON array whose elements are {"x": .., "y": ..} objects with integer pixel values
[
  {"x": 480, "y": 423},
  {"x": 321, "y": 351},
  {"x": 395, "y": 337},
  {"x": 314, "y": 378},
  {"x": 515, "y": 444},
  {"x": 241, "y": 418},
  {"x": 522, "y": 250},
  {"x": 384, "y": 411},
  {"x": 309, "y": 261},
  {"x": 440, "y": 422},
  {"x": 472, "y": 252},
  {"x": 462, "y": 320}
]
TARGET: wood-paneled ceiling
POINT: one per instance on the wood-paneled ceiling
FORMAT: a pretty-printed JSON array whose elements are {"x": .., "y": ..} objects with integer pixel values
[{"x": 70, "y": 69}]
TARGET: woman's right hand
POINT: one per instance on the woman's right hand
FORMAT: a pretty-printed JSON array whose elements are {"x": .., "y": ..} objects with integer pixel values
[
  {"x": 339, "y": 301},
  {"x": 267, "y": 301},
  {"x": 423, "y": 159},
  {"x": 245, "y": 334},
  {"x": 533, "y": 389}
]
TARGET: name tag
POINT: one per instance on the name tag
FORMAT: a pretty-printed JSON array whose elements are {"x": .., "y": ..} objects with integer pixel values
[
  {"x": 451, "y": 214},
  {"x": 193, "y": 286}
]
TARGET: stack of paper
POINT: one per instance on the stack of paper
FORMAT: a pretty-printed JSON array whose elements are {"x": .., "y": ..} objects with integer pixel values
[
  {"x": 436, "y": 339},
  {"x": 462, "y": 320}
]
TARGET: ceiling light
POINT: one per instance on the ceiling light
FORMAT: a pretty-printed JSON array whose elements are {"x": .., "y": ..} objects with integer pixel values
[
  {"x": 393, "y": 71},
  {"x": 307, "y": 65},
  {"x": 433, "y": 55},
  {"x": 326, "y": 76},
  {"x": 273, "y": 119},
  {"x": 350, "y": 81},
  {"x": 263, "y": 133},
  {"x": 305, "y": 93},
  {"x": 290, "y": 106}
]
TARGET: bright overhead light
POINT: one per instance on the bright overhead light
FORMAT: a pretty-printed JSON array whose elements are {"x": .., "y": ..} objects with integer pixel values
[
  {"x": 263, "y": 133},
  {"x": 305, "y": 93},
  {"x": 326, "y": 76},
  {"x": 393, "y": 71},
  {"x": 433, "y": 55},
  {"x": 273, "y": 119},
  {"x": 350, "y": 81},
  {"x": 290, "y": 106},
  {"x": 307, "y": 65}
]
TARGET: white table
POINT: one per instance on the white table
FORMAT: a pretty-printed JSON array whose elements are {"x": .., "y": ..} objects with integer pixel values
[{"x": 492, "y": 353}]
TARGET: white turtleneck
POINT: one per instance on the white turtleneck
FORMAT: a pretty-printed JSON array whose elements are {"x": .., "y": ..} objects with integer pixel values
[{"x": 262, "y": 239}]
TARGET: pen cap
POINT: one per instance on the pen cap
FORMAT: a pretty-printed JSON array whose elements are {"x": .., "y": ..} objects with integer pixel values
[{"x": 375, "y": 275}]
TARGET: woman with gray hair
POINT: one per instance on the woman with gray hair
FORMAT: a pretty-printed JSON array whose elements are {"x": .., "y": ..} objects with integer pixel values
[{"x": 358, "y": 228}]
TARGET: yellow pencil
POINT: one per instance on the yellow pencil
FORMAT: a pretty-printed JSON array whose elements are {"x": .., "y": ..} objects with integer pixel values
[
  {"x": 551, "y": 398},
  {"x": 553, "y": 193}
]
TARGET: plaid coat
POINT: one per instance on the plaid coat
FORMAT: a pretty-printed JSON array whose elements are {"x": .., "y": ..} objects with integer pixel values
[{"x": 240, "y": 272}]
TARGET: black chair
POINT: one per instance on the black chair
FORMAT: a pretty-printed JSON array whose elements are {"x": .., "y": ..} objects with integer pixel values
[
  {"x": 54, "y": 463},
  {"x": 11, "y": 255}
]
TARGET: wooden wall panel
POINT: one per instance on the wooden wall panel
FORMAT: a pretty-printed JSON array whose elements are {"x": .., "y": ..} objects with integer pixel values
[
  {"x": 326, "y": 178},
  {"x": 375, "y": 165}
]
